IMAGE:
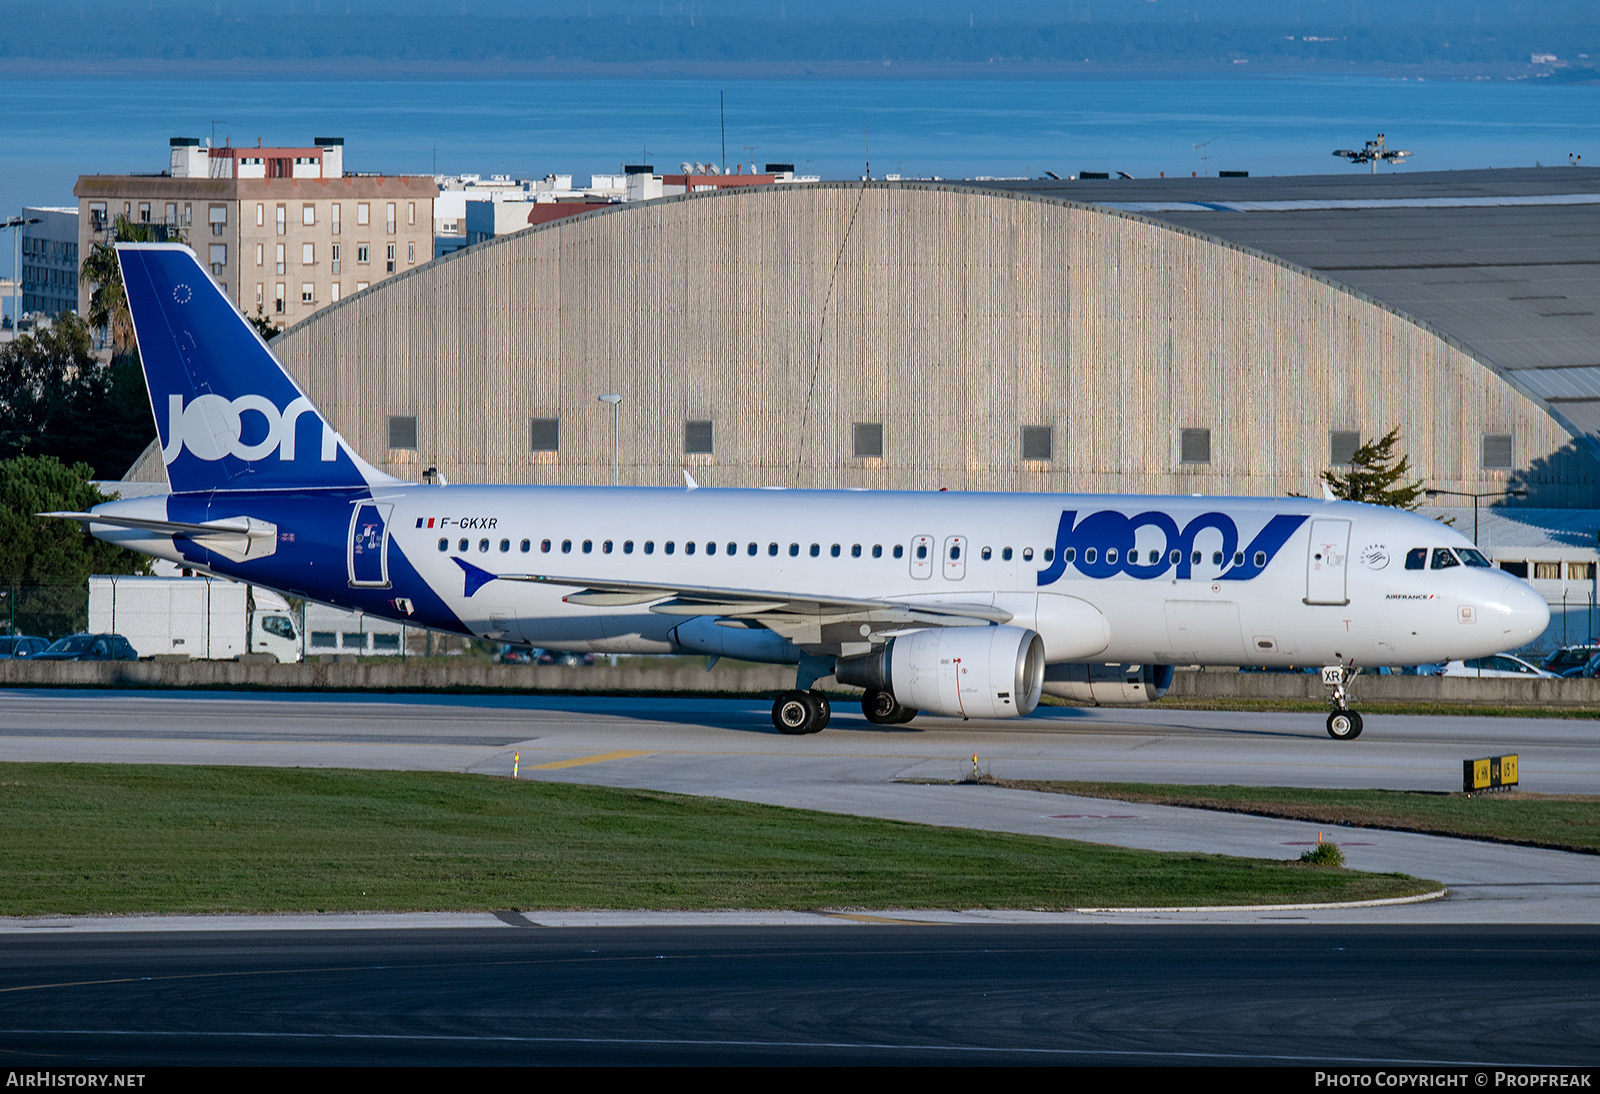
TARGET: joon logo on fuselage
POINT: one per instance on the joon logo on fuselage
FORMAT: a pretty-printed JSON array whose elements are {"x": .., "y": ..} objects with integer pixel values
[{"x": 1108, "y": 543}]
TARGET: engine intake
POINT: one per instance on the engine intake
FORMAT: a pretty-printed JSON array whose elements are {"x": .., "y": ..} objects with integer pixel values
[{"x": 962, "y": 672}]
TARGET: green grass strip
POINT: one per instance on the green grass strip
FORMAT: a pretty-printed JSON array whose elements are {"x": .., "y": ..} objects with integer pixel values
[
  {"x": 1568, "y": 822},
  {"x": 82, "y": 839}
]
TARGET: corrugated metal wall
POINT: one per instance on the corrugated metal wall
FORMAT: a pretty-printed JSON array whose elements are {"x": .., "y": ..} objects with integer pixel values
[{"x": 954, "y": 317}]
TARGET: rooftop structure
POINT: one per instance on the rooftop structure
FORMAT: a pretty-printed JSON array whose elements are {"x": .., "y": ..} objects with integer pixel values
[{"x": 286, "y": 230}]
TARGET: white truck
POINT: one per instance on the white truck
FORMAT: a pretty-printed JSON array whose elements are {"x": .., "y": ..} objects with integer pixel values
[{"x": 198, "y": 616}]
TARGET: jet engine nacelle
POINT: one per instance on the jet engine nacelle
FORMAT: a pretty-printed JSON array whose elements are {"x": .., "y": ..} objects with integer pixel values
[
  {"x": 1108, "y": 685},
  {"x": 963, "y": 672}
]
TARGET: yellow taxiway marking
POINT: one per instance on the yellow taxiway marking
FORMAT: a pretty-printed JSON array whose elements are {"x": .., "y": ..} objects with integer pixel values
[{"x": 581, "y": 760}]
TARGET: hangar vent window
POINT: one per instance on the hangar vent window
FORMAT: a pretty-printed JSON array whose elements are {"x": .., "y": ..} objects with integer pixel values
[
  {"x": 867, "y": 440},
  {"x": 544, "y": 434},
  {"x": 402, "y": 431},
  {"x": 697, "y": 438},
  {"x": 1342, "y": 445},
  {"x": 1194, "y": 446},
  {"x": 1497, "y": 451},
  {"x": 1038, "y": 442}
]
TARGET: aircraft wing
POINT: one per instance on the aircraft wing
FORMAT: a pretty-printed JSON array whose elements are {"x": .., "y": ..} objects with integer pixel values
[{"x": 778, "y": 611}]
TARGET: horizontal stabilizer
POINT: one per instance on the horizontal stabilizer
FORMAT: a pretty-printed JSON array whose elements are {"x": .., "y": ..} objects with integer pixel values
[{"x": 235, "y": 538}]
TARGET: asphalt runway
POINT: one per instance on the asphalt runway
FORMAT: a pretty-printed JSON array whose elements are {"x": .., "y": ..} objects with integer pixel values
[
  {"x": 1502, "y": 972},
  {"x": 1461, "y": 998},
  {"x": 728, "y": 748}
]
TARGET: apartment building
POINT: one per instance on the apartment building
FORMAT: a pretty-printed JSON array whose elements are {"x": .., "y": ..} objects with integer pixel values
[
  {"x": 49, "y": 260},
  {"x": 286, "y": 231}
]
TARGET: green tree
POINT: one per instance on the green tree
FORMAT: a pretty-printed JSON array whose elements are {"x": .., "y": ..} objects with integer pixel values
[
  {"x": 108, "y": 303},
  {"x": 264, "y": 326},
  {"x": 45, "y": 563},
  {"x": 1377, "y": 476},
  {"x": 58, "y": 399}
]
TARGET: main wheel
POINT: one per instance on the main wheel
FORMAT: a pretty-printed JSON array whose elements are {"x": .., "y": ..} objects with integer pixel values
[
  {"x": 1344, "y": 725},
  {"x": 799, "y": 712},
  {"x": 881, "y": 708}
]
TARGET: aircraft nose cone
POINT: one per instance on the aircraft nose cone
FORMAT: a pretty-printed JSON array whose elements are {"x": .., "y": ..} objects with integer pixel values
[{"x": 1522, "y": 612}]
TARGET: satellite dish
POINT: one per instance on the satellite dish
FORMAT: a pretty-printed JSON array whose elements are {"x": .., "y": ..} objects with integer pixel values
[
  {"x": 713, "y": 169},
  {"x": 686, "y": 167}
]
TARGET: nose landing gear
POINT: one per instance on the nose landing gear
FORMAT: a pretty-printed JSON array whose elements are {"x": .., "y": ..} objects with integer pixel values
[{"x": 1344, "y": 724}]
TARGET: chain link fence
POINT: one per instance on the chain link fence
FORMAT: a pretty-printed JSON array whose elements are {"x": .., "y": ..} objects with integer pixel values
[{"x": 47, "y": 607}]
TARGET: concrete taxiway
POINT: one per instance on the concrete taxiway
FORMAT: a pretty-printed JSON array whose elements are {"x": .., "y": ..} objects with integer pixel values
[{"x": 728, "y": 748}]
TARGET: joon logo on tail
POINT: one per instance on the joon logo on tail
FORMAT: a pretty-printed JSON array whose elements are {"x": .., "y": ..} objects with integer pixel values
[
  {"x": 1108, "y": 543},
  {"x": 213, "y": 426}
]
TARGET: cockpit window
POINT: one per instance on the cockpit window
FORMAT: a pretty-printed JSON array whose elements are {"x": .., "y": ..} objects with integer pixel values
[
  {"x": 1473, "y": 557},
  {"x": 1417, "y": 558},
  {"x": 1443, "y": 558}
]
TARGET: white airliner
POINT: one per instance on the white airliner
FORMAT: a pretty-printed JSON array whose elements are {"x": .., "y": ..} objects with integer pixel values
[{"x": 964, "y": 605}]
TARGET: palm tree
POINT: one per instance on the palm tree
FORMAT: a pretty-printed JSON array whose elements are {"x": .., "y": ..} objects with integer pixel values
[{"x": 108, "y": 304}]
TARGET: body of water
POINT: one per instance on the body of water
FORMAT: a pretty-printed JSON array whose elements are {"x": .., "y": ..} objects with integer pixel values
[{"x": 59, "y": 128}]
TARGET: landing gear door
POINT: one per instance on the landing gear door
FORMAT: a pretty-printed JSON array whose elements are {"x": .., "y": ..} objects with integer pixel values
[
  {"x": 369, "y": 546},
  {"x": 1327, "y": 559}
]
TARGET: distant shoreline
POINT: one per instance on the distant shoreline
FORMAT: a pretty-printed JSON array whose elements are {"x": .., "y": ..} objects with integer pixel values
[{"x": 370, "y": 69}]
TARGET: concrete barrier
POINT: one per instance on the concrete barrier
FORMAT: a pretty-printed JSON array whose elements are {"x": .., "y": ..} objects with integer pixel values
[
  {"x": 1476, "y": 691},
  {"x": 668, "y": 676},
  {"x": 394, "y": 674}
]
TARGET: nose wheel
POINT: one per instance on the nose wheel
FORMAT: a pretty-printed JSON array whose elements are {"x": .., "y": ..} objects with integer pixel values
[{"x": 1344, "y": 724}]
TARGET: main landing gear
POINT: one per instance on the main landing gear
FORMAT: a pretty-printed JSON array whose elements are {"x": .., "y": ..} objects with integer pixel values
[
  {"x": 1344, "y": 724},
  {"x": 800, "y": 712},
  {"x": 883, "y": 709}
]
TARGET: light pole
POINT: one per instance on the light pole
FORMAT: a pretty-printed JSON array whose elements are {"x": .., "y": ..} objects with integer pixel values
[
  {"x": 613, "y": 400},
  {"x": 15, "y": 223},
  {"x": 1513, "y": 492}
]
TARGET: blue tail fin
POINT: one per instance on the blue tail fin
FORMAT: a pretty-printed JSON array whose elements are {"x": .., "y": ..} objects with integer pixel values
[{"x": 228, "y": 415}]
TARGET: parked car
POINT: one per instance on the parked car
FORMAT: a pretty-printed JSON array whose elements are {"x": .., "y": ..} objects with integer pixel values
[
  {"x": 14, "y": 647},
  {"x": 1574, "y": 661},
  {"x": 1501, "y": 664},
  {"x": 89, "y": 647},
  {"x": 513, "y": 655},
  {"x": 562, "y": 657}
]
